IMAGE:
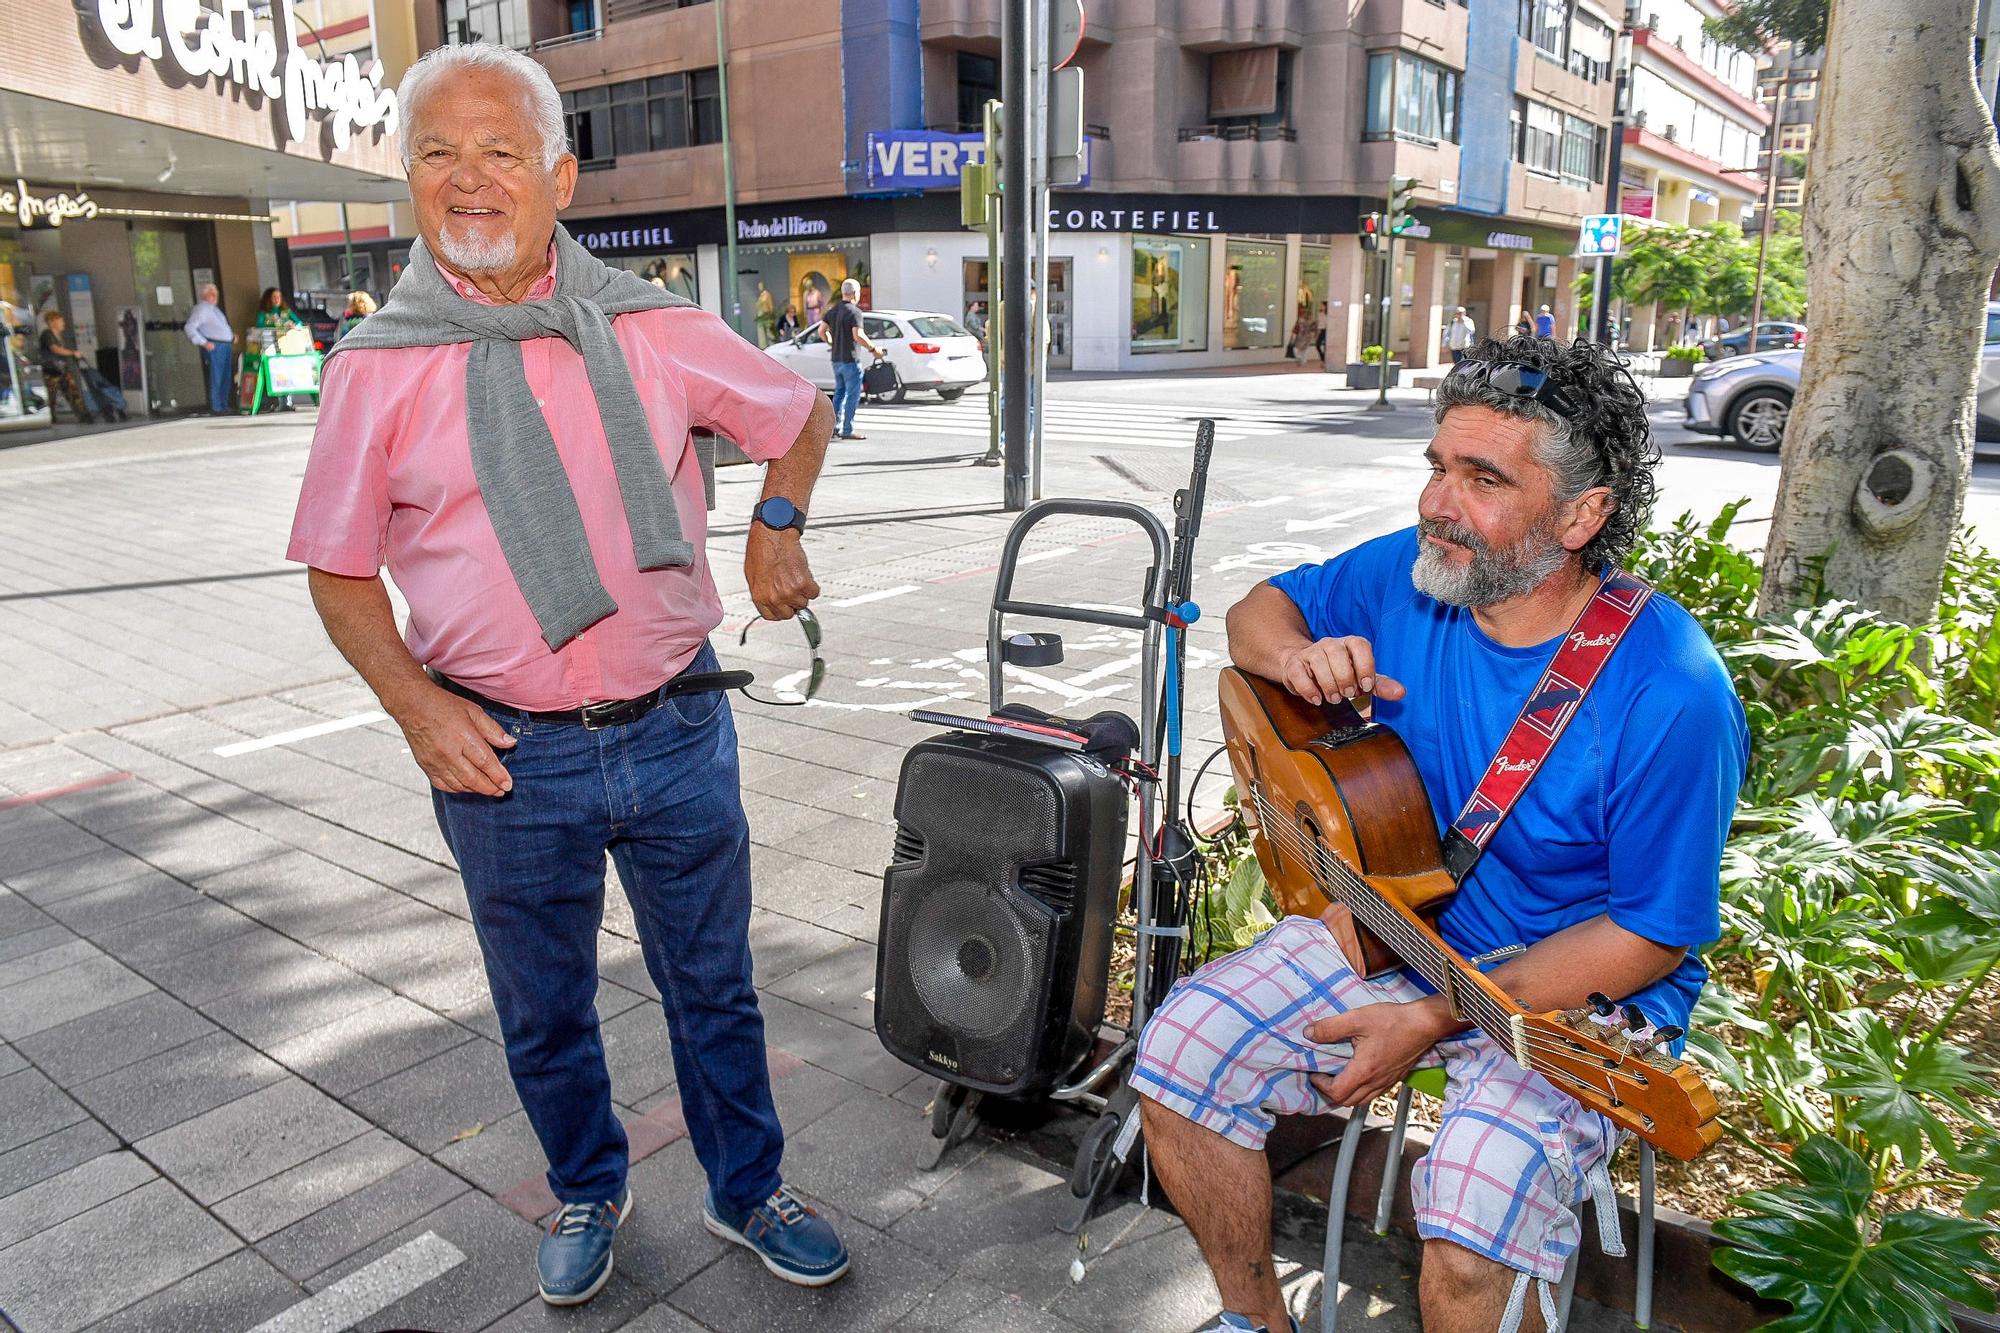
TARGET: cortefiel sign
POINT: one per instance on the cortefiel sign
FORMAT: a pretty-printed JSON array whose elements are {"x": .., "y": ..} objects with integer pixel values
[
  {"x": 927, "y": 159},
  {"x": 229, "y": 44}
]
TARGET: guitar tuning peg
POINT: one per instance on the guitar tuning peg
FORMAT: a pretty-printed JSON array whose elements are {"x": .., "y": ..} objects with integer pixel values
[
  {"x": 1635, "y": 1018},
  {"x": 1654, "y": 1039},
  {"x": 1601, "y": 1002}
]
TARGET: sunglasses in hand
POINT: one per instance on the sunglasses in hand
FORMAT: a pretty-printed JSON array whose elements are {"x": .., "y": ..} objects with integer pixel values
[{"x": 809, "y": 623}]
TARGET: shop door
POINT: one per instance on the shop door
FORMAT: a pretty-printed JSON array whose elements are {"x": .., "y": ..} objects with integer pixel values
[
  {"x": 166, "y": 291},
  {"x": 1059, "y": 314}
]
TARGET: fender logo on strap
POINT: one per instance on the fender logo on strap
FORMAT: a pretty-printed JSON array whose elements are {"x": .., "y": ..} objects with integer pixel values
[{"x": 1598, "y": 630}]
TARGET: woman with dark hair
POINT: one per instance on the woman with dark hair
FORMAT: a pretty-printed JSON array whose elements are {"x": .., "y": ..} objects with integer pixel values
[{"x": 274, "y": 313}]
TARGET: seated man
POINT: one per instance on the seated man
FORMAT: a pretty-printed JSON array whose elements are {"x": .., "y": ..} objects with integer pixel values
[{"x": 1607, "y": 868}]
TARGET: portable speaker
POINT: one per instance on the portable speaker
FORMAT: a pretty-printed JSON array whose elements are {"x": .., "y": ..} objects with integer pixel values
[{"x": 997, "y": 907}]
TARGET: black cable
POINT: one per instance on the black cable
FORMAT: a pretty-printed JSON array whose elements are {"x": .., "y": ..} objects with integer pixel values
[{"x": 1192, "y": 827}]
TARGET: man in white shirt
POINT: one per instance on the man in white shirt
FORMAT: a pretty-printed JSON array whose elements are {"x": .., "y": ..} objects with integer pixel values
[
  {"x": 1459, "y": 335},
  {"x": 208, "y": 328}
]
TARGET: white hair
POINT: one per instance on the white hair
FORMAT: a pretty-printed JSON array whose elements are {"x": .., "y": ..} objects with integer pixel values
[
  {"x": 542, "y": 103},
  {"x": 850, "y": 290}
]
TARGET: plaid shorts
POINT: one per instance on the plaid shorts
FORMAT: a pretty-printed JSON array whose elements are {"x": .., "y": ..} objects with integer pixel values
[{"x": 1512, "y": 1160}]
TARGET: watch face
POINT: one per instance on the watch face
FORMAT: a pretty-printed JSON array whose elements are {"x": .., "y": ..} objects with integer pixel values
[{"x": 778, "y": 512}]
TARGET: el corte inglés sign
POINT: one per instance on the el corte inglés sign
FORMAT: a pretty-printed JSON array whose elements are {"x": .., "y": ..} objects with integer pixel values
[
  {"x": 229, "y": 44},
  {"x": 50, "y": 210}
]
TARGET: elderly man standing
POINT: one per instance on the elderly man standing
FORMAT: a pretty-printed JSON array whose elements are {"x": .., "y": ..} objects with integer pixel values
[
  {"x": 510, "y": 433},
  {"x": 208, "y": 328}
]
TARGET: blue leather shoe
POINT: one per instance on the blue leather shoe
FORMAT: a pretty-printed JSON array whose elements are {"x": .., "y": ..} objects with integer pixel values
[
  {"x": 574, "y": 1261},
  {"x": 795, "y": 1243}
]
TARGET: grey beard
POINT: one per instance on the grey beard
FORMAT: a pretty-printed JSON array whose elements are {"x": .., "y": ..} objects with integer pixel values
[
  {"x": 1490, "y": 576},
  {"x": 473, "y": 255}
]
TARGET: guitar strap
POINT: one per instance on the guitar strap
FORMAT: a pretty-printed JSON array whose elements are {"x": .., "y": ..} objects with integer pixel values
[{"x": 1585, "y": 649}]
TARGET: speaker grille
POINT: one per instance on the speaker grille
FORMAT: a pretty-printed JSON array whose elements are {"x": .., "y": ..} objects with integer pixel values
[
  {"x": 909, "y": 845},
  {"x": 1054, "y": 884},
  {"x": 970, "y": 960}
]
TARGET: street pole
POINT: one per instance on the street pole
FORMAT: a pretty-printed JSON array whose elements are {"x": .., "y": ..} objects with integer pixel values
[
  {"x": 1387, "y": 320},
  {"x": 1600, "y": 295},
  {"x": 347, "y": 245},
  {"x": 1038, "y": 302},
  {"x": 1016, "y": 205},
  {"x": 992, "y": 229},
  {"x": 732, "y": 286},
  {"x": 1764, "y": 229}
]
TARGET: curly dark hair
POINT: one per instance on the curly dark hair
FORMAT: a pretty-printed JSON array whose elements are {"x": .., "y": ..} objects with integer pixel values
[{"x": 1608, "y": 442}]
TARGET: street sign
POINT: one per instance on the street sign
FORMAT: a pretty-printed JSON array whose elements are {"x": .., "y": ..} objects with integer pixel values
[
  {"x": 1601, "y": 234},
  {"x": 1065, "y": 32},
  {"x": 1067, "y": 164}
]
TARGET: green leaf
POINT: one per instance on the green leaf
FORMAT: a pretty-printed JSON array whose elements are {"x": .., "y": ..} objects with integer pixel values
[
  {"x": 1891, "y": 1088},
  {"x": 1814, "y": 1247}
]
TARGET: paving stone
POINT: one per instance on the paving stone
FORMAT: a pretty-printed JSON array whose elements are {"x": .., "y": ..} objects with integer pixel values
[
  {"x": 69, "y": 1275},
  {"x": 24, "y": 927},
  {"x": 861, "y": 845},
  {"x": 314, "y": 992},
  {"x": 84, "y": 987},
  {"x": 841, "y": 983},
  {"x": 75, "y": 1191},
  {"x": 85, "y": 1048},
  {"x": 864, "y": 1155},
  {"x": 197, "y": 924},
  {"x": 260, "y": 961},
  {"x": 120, "y": 805},
  {"x": 427, "y": 1104},
  {"x": 52, "y": 1154},
  {"x": 807, "y": 889},
  {"x": 128, "y": 901},
  {"x": 621, "y": 960},
  {"x": 31, "y": 1106},
  {"x": 61, "y": 948},
  {"x": 236, "y": 1145},
  {"x": 163, "y": 1090},
  {"x": 411, "y": 948},
  {"x": 887, "y": 1281},
  {"x": 299, "y": 894},
  {"x": 238, "y": 1292},
  {"x": 781, "y": 945},
  {"x": 51, "y": 883},
  {"x": 41, "y": 843},
  {"x": 359, "y": 1220},
  {"x": 368, "y": 1045},
  {"x": 498, "y": 1156},
  {"x": 853, "y": 1053},
  {"x": 313, "y": 1184},
  {"x": 967, "y": 1303},
  {"x": 636, "y": 1052},
  {"x": 498, "y": 1273},
  {"x": 662, "y": 1318},
  {"x": 11, "y": 1060},
  {"x": 1149, "y": 1279},
  {"x": 617, "y": 1306},
  {"x": 663, "y": 1243},
  {"x": 196, "y": 848}
]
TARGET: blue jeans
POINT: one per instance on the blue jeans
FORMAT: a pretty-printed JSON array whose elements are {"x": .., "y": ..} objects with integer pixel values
[
  {"x": 846, "y": 394},
  {"x": 215, "y": 361},
  {"x": 661, "y": 796}
]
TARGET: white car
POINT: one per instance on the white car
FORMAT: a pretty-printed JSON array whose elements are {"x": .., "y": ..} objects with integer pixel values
[{"x": 929, "y": 351}]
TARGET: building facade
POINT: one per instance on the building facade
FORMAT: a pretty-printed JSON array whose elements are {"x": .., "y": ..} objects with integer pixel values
[
  {"x": 1232, "y": 152},
  {"x": 144, "y": 155}
]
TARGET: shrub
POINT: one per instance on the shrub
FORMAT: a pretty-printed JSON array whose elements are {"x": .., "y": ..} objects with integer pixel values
[
  {"x": 1686, "y": 352},
  {"x": 1372, "y": 353}
]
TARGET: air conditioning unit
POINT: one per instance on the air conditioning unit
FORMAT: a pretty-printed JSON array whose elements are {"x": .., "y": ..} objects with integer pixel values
[
  {"x": 1639, "y": 119},
  {"x": 1652, "y": 23},
  {"x": 1671, "y": 133}
]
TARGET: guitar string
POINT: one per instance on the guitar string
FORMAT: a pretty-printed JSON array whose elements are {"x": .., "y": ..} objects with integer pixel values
[{"x": 1490, "y": 1015}]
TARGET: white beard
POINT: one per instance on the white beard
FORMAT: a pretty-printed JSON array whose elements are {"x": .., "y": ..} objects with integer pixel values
[
  {"x": 475, "y": 253},
  {"x": 1490, "y": 576}
]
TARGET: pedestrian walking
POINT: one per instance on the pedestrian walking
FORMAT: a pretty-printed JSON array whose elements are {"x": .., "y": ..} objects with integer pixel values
[
  {"x": 1319, "y": 339},
  {"x": 208, "y": 328},
  {"x": 788, "y": 322},
  {"x": 1524, "y": 327},
  {"x": 1545, "y": 323},
  {"x": 512, "y": 434},
  {"x": 1459, "y": 335},
  {"x": 360, "y": 305},
  {"x": 975, "y": 320},
  {"x": 842, "y": 330},
  {"x": 1302, "y": 333}
]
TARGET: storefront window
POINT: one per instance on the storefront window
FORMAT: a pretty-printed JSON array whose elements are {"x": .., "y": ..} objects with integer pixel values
[
  {"x": 806, "y": 275},
  {"x": 1253, "y": 313},
  {"x": 675, "y": 272},
  {"x": 1169, "y": 294}
]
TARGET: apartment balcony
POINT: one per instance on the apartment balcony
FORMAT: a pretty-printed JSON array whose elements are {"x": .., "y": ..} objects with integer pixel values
[
  {"x": 1430, "y": 28},
  {"x": 1221, "y": 25},
  {"x": 1211, "y": 159},
  {"x": 969, "y": 25}
]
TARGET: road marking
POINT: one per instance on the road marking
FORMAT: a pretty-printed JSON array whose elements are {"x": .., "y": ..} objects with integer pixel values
[
  {"x": 1402, "y": 460},
  {"x": 1264, "y": 504},
  {"x": 301, "y": 734},
  {"x": 368, "y": 1291},
  {"x": 881, "y": 595},
  {"x": 1326, "y": 521},
  {"x": 1039, "y": 556}
]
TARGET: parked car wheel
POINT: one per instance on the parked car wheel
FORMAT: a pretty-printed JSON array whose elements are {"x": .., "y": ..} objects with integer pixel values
[
  {"x": 900, "y": 394},
  {"x": 1759, "y": 416},
  {"x": 951, "y": 395}
]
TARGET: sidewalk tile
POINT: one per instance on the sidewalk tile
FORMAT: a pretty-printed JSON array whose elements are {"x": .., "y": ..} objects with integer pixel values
[
  {"x": 887, "y": 1281},
  {"x": 360, "y": 1219},
  {"x": 780, "y": 945},
  {"x": 236, "y": 1145},
  {"x": 662, "y": 1318},
  {"x": 11, "y": 1060},
  {"x": 51, "y": 883},
  {"x": 107, "y": 809},
  {"x": 636, "y": 1053},
  {"x": 858, "y": 844},
  {"x": 59, "y": 950},
  {"x": 41, "y": 843},
  {"x": 20, "y": 922},
  {"x": 260, "y": 961},
  {"x": 163, "y": 1090},
  {"x": 84, "y": 987},
  {"x": 497, "y": 1276},
  {"x": 96, "y": 1044},
  {"x": 368, "y": 1045},
  {"x": 239, "y": 1292},
  {"x": 821, "y": 1039},
  {"x": 841, "y": 983},
  {"x": 52, "y": 1154},
  {"x": 796, "y": 884},
  {"x": 75, "y": 1191},
  {"x": 189, "y": 928},
  {"x": 427, "y": 1104},
  {"x": 499, "y": 1156},
  {"x": 135, "y": 900},
  {"x": 71, "y": 1275},
  {"x": 313, "y": 1184},
  {"x": 313, "y": 992},
  {"x": 1155, "y": 1280},
  {"x": 664, "y": 1243},
  {"x": 616, "y": 1307},
  {"x": 863, "y": 1157},
  {"x": 298, "y": 893},
  {"x": 966, "y": 1303},
  {"x": 195, "y": 848}
]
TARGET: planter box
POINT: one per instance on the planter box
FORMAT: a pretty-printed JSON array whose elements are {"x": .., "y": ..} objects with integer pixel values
[
  {"x": 1673, "y": 368},
  {"x": 1367, "y": 374}
]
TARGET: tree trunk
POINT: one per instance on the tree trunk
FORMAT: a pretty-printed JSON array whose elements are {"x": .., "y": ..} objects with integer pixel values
[{"x": 1902, "y": 231}]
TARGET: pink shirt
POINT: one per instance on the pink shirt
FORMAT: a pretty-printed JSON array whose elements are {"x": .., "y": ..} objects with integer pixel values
[{"x": 390, "y": 482}]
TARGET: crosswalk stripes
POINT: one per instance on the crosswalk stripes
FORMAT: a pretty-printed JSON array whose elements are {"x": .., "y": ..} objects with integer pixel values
[{"x": 1099, "y": 423}]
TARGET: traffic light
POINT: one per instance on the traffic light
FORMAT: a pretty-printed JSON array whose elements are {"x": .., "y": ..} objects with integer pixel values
[
  {"x": 1371, "y": 231},
  {"x": 1401, "y": 188},
  {"x": 996, "y": 144}
]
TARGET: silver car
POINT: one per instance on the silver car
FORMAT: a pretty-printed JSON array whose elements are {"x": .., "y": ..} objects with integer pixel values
[{"x": 1750, "y": 397}]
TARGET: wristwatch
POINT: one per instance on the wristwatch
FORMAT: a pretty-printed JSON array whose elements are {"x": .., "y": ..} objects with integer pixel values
[{"x": 778, "y": 513}]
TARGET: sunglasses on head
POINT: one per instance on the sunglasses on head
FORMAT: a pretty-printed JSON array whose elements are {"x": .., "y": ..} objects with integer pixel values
[
  {"x": 1519, "y": 381},
  {"x": 816, "y": 676}
]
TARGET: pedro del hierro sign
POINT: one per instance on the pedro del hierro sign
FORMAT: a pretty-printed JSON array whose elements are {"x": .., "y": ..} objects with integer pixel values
[{"x": 230, "y": 43}]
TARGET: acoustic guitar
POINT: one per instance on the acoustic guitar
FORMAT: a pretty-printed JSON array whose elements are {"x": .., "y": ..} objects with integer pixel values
[{"x": 1344, "y": 830}]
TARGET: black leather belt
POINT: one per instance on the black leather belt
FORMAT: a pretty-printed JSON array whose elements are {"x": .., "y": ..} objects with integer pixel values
[{"x": 613, "y": 713}]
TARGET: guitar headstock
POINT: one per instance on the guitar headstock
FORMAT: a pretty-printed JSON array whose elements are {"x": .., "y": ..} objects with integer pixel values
[{"x": 1633, "y": 1081}]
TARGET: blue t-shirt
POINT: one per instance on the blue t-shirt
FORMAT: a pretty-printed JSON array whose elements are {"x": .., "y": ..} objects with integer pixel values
[{"x": 1628, "y": 815}]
